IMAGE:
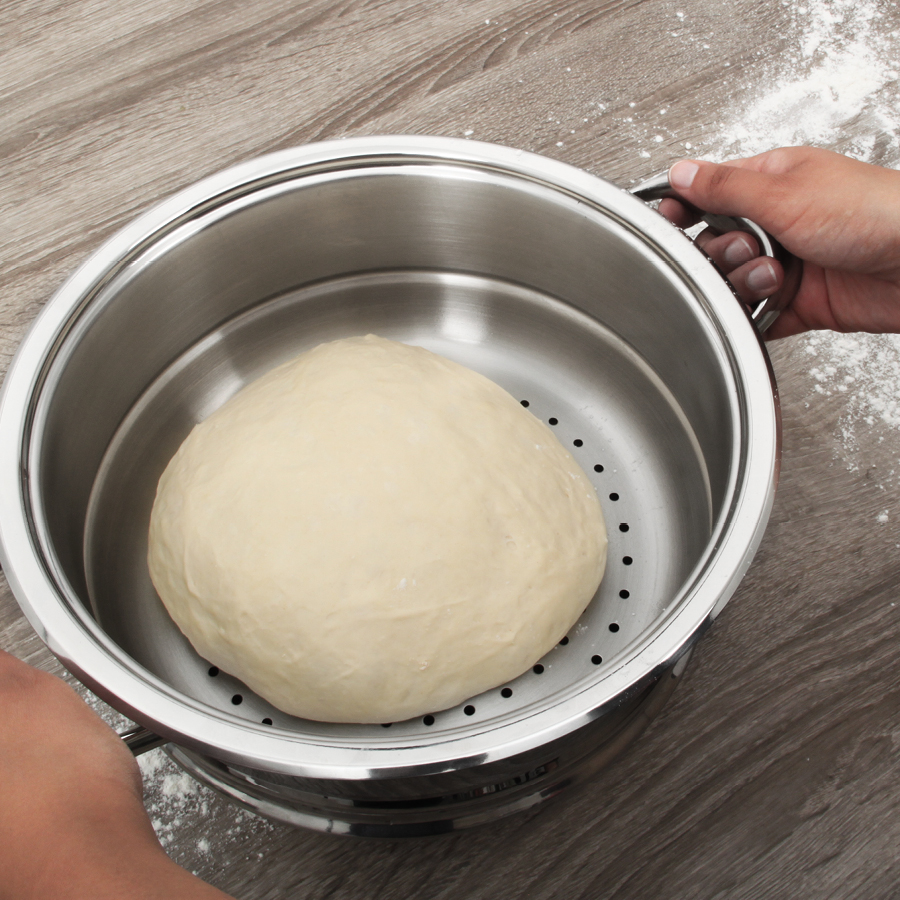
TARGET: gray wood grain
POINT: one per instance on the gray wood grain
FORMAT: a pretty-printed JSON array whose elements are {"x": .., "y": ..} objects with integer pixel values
[{"x": 774, "y": 771}]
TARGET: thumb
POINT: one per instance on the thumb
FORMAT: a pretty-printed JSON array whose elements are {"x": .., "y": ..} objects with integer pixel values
[{"x": 728, "y": 190}]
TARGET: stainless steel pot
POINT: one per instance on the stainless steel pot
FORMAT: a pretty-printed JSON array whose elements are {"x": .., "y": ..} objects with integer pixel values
[{"x": 573, "y": 294}]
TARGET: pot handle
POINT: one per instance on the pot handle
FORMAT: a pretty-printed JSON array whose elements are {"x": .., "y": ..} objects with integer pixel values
[
  {"x": 766, "y": 311},
  {"x": 139, "y": 740}
]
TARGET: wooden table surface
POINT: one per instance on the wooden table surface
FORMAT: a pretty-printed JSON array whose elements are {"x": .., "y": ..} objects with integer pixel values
[{"x": 775, "y": 770}]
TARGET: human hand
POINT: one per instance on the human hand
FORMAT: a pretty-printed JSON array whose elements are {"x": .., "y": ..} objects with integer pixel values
[
  {"x": 72, "y": 820},
  {"x": 840, "y": 216}
]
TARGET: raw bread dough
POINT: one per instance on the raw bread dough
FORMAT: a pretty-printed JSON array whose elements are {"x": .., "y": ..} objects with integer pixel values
[{"x": 371, "y": 532}]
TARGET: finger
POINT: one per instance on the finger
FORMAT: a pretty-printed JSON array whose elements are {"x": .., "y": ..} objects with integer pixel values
[
  {"x": 757, "y": 279},
  {"x": 677, "y": 213},
  {"x": 728, "y": 251},
  {"x": 782, "y": 160},
  {"x": 730, "y": 190},
  {"x": 787, "y": 324},
  {"x": 706, "y": 236}
]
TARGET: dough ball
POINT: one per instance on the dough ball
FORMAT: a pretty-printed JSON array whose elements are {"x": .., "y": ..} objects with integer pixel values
[{"x": 371, "y": 532}]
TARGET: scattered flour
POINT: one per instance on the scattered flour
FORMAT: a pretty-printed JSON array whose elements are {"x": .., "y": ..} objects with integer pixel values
[
  {"x": 865, "y": 368},
  {"x": 835, "y": 83},
  {"x": 842, "y": 69},
  {"x": 840, "y": 79},
  {"x": 186, "y": 814}
]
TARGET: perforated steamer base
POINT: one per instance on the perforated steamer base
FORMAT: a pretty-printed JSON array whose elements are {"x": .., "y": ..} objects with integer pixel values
[
  {"x": 498, "y": 790},
  {"x": 604, "y": 404}
]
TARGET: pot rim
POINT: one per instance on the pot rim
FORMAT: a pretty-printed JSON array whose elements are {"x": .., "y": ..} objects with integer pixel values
[{"x": 53, "y": 609}]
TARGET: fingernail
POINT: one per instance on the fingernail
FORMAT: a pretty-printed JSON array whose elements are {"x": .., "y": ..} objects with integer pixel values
[
  {"x": 681, "y": 175},
  {"x": 762, "y": 278},
  {"x": 738, "y": 251}
]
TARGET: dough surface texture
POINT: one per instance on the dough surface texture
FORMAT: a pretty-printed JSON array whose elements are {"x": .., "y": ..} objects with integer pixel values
[{"x": 371, "y": 532}]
